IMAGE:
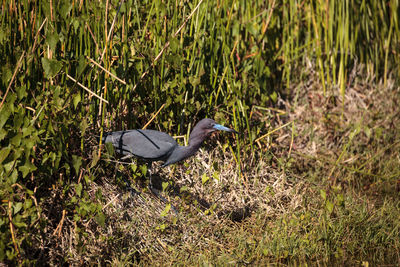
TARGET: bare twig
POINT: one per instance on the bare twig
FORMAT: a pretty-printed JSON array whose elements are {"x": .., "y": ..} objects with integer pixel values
[
  {"x": 291, "y": 141},
  {"x": 147, "y": 124},
  {"x": 87, "y": 89},
  {"x": 111, "y": 201},
  {"x": 94, "y": 38},
  {"x": 108, "y": 72},
  {"x": 12, "y": 79},
  {"x": 37, "y": 34},
  {"x": 12, "y": 227},
  {"x": 271, "y": 132},
  {"x": 60, "y": 224}
]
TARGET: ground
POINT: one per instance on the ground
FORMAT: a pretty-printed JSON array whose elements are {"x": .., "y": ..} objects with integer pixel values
[{"x": 323, "y": 187}]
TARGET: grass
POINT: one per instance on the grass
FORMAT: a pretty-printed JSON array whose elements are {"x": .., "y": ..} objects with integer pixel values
[{"x": 334, "y": 200}]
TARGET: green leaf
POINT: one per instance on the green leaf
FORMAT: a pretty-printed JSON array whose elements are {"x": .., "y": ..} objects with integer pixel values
[
  {"x": 6, "y": 75},
  {"x": 162, "y": 227},
  {"x": 4, "y": 115},
  {"x": 216, "y": 175},
  {"x": 27, "y": 204},
  {"x": 76, "y": 24},
  {"x": 16, "y": 140},
  {"x": 65, "y": 8},
  {"x": 27, "y": 168},
  {"x": 274, "y": 97},
  {"x": 3, "y": 37},
  {"x": 18, "y": 120},
  {"x": 252, "y": 28},
  {"x": 21, "y": 91},
  {"x": 329, "y": 206},
  {"x": 17, "y": 207},
  {"x": 76, "y": 162},
  {"x": 323, "y": 194},
  {"x": 143, "y": 169},
  {"x": 77, "y": 99},
  {"x": 4, "y": 153},
  {"x": 82, "y": 65},
  {"x": 52, "y": 40},
  {"x": 78, "y": 189},
  {"x": 3, "y": 133},
  {"x": 83, "y": 126},
  {"x": 51, "y": 67},
  {"x": 101, "y": 219},
  {"x": 110, "y": 149},
  {"x": 204, "y": 178},
  {"x": 236, "y": 28},
  {"x": 174, "y": 44},
  {"x": 17, "y": 221},
  {"x": 194, "y": 81},
  {"x": 184, "y": 189},
  {"x": 95, "y": 158},
  {"x": 340, "y": 199},
  {"x": 166, "y": 210},
  {"x": 133, "y": 167},
  {"x": 18, "y": 152},
  {"x": 164, "y": 185},
  {"x": 14, "y": 175}
]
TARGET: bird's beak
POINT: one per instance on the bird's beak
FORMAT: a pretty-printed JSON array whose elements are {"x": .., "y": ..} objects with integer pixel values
[{"x": 220, "y": 127}]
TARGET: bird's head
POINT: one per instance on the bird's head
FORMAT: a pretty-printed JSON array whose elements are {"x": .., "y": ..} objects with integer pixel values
[{"x": 207, "y": 126}]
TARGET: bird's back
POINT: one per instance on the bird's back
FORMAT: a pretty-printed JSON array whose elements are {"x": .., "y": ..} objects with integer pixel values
[{"x": 146, "y": 144}]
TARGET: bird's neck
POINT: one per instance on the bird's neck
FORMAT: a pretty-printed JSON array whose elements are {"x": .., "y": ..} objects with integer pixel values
[
  {"x": 195, "y": 141},
  {"x": 183, "y": 152},
  {"x": 194, "y": 145}
]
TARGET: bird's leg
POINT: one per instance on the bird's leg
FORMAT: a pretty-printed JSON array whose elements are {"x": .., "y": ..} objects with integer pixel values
[
  {"x": 151, "y": 186},
  {"x": 156, "y": 191},
  {"x": 149, "y": 176},
  {"x": 133, "y": 191}
]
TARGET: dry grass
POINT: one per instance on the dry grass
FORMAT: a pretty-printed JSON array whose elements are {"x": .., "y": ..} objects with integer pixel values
[{"x": 274, "y": 211}]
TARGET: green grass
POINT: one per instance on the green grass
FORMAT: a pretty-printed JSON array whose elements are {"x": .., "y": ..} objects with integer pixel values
[{"x": 313, "y": 87}]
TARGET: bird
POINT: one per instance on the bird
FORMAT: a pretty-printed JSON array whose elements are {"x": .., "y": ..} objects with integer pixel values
[{"x": 152, "y": 145}]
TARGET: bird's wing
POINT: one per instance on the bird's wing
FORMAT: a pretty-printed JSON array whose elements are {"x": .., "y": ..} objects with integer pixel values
[{"x": 147, "y": 144}]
